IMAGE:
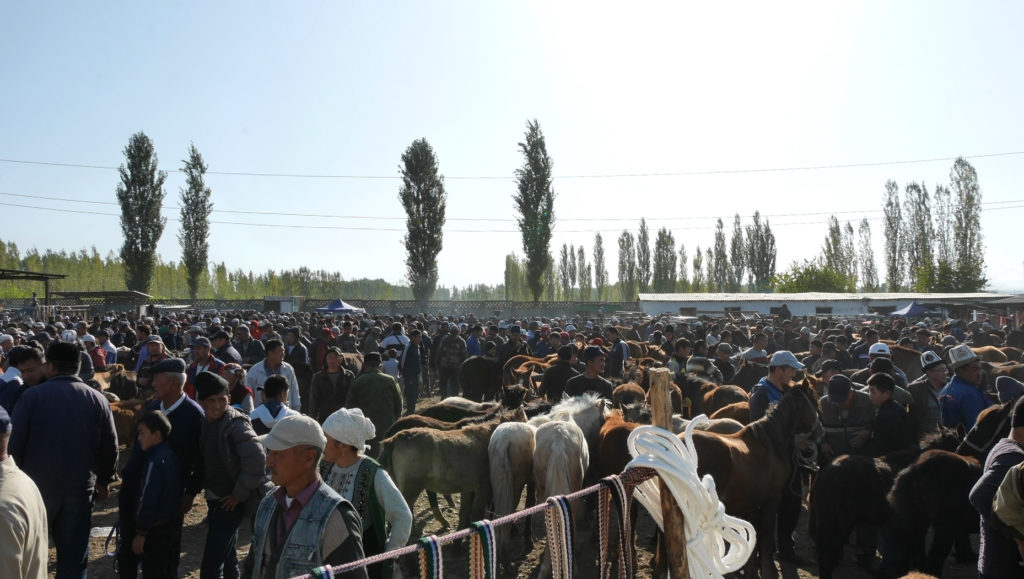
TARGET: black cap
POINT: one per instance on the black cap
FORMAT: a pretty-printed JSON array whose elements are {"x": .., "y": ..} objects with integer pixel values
[
  {"x": 209, "y": 384},
  {"x": 5, "y": 421},
  {"x": 202, "y": 341},
  {"x": 839, "y": 388},
  {"x": 173, "y": 365},
  {"x": 372, "y": 358},
  {"x": 881, "y": 365},
  {"x": 592, "y": 352},
  {"x": 336, "y": 350},
  {"x": 829, "y": 365},
  {"x": 221, "y": 335}
]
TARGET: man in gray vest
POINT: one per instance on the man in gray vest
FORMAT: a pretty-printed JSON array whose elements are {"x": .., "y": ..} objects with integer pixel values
[{"x": 303, "y": 523}]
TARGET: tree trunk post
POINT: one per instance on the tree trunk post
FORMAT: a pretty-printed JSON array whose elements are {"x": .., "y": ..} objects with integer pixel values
[{"x": 674, "y": 522}]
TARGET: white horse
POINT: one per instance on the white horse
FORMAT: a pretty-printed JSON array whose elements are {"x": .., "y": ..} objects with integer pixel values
[
  {"x": 510, "y": 455},
  {"x": 560, "y": 462},
  {"x": 588, "y": 411}
]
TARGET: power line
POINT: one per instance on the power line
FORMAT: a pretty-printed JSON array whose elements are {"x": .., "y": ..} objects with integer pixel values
[
  {"x": 508, "y": 178},
  {"x": 479, "y": 219},
  {"x": 488, "y": 231}
]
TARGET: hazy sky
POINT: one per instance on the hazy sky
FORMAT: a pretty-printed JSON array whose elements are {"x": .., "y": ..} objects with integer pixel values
[{"x": 342, "y": 88}]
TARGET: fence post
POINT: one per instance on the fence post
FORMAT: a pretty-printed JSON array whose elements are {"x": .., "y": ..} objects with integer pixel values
[{"x": 674, "y": 522}]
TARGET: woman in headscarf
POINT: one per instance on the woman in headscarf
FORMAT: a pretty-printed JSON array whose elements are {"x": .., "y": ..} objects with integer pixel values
[{"x": 363, "y": 482}]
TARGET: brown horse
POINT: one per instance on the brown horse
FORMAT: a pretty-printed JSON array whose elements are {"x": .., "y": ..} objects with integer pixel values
[
  {"x": 738, "y": 411},
  {"x": 992, "y": 424},
  {"x": 907, "y": 359},
  {"x": 751, "y": 467},
  {"x": 627, "y": 393}
]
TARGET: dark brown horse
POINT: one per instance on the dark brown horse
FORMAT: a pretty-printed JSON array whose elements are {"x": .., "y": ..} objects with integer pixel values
[
  {"x": 992, "y": 424},
  {"x": 751, "y": 467}
]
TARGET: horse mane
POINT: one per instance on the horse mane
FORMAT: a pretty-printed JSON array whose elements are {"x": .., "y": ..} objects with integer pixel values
[
  {"x": 565, "y": 409},
  {"x": 771, "y": 429}
]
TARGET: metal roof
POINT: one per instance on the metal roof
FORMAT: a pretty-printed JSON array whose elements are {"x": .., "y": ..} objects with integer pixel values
[{"x": 822, "y": 297}]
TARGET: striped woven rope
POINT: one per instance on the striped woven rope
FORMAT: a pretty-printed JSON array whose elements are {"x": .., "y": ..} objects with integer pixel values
[
  {"x": 482, "y": 551},
  {"x": 431, "y": 562}
]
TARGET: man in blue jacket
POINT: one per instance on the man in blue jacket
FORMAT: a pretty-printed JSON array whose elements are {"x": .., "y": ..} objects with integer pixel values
[
  {"x": 64, "y": 439},
  {"x": 962, "y": 400}
]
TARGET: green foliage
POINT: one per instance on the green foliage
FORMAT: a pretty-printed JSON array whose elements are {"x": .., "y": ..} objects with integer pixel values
[
  {"x": 425, "y": 201},
  {"x": 761, "y": 253},
  {"x": 584, "y": 274},
  {"x": 600, "y": 271},
  {"x": 663, "y": 277},
  {"x": 141, "y": 196},
  {"x": 698, "y": 272},
  {"x": 627, "y": 266},
  {"x": 563, "y": 271},
  {"x": 894, "y": 237},
  {"x": 643, "y": 258},
  {"x": 919, "y": 261},
  {"x": 195, "y": 220},
  {"x": 737, "y": 256},
  {"x": 813, "y": 276},
  {"x": 969, "y": 250},
  {"x": 684, "y": 265},
  {"x": 535, "y": 201},
  {"x": 866, "y": 258},
  {"x": 720, "y": 271}
]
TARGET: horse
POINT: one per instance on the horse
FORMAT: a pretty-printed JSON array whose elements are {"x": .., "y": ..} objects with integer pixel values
[
  {"x": 992, "y": 424},
  {"x": 480, "y": 377},
  {"x": 118, "y": 381},
  {"x": 748, "y": 374},
  {"x": 510, "y": 459},
  {"x": 722, "y": 396},
  {"x": 751, "y": 467},
  {"x": 738, "y": 411},
  {"x": 453, "y": 410},
  {"x": 990, "y": 354},
  {"x": 627, "y": 393},
  {"x": 560, "y": 463},
  {"x": 906, "y": 359},
  {"x": 588, "y": 411},
  {"x": 932, "y": 493},
  {"x": 444, "y": 462},
  {"x": 640, "y": 413}
]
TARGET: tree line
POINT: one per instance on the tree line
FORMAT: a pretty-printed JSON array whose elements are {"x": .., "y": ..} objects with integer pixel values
[{"x": 933, "y": 242}]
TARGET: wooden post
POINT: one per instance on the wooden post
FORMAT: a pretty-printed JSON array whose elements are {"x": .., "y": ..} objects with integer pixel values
[{"x": 672, "y": 517}]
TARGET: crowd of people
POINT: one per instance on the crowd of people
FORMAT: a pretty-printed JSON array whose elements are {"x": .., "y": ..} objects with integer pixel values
[{"x": 274, "y": 419}]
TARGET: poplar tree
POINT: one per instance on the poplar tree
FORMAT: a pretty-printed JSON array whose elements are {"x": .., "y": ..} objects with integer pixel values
[
  {"x": 643, "y": 258},
  {"x": 535, "y": 201},
  {"x": 600, "y": 271},
  {"x": 424, "y": 199},
  {"x": 195, "y": 221},
  {"x": 627, "y": 266},
  {"x": 737, "y": 256},
  {"x": 141, "y": 196},
  {"x": 893, "y": 232}
]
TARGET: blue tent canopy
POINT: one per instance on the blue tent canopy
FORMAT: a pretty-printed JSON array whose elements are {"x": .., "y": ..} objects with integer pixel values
[
  {"x": 913, "y": 310},
  {"x": 340, "y": 307}
]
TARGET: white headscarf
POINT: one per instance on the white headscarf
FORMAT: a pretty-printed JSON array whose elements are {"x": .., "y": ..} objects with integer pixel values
[{"x": 350, "y": 427}]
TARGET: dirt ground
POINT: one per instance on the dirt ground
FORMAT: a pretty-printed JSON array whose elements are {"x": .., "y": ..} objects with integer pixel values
[{"x": 525, "y": 565}]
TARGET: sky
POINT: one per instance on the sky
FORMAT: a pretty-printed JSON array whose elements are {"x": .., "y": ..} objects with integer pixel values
[{"x": 739, "y": 103}]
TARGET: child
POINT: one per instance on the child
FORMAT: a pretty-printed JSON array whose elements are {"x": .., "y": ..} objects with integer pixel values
[
  {"x": 266, "y": 415},
  {"x": 391, "y": 364},
  {"x": 241, "y": 395},
  {"x": 156, "y": 504}
]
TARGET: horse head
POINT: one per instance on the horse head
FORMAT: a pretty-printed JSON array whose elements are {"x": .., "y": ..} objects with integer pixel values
[
  {"x": 993, "y": 423},
  {"x": 808, "y": 419}
]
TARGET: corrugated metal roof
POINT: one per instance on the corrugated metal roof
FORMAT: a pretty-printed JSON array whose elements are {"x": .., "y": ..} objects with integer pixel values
[{"x": 821, "y": 297}]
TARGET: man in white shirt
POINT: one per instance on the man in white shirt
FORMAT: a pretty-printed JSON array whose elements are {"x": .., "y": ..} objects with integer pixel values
[{"x": 273, "y": 364}]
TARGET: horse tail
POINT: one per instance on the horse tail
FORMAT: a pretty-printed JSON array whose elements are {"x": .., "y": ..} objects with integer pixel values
[
  {"x": 501, "y": 458},
  {"x": 386, "y": 450}
]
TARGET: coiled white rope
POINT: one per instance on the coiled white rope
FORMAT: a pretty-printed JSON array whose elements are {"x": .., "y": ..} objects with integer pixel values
[{"x": 717, "y": 543}]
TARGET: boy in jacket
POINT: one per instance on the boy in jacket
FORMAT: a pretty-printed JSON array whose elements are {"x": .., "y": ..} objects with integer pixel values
[
  {"x": 156, "y": 500},
  {"x": 235, "y": 476}
]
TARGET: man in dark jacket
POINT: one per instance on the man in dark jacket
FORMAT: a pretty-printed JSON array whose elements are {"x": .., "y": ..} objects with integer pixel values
[
  {"x": 296, "y": 354},
  {"x": 252, "y": 351},
  {"x": 451, "y": 353},
  {"x": 618, "y": 353},
  {"x": 64, "y": 439},
  {"x": 329, "y": 387},
  {"x": 223, "y": 350},
  {"x": 555, "y": 378},
  {"x": 998, "y": 555},
  {"x": 924, "y": 412},
  {"x": 892, "y": 429},
  {"x": 234, "y": 474}
]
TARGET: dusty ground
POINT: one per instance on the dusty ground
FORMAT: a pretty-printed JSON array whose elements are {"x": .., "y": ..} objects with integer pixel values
[{"x": 523, "y": 566}]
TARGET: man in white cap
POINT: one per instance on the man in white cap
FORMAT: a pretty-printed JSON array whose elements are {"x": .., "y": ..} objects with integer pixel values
[
  {"x": 303, "y": 523},
  {"x": 962, "y": 400},
  {"x": 362, "y": 481}
]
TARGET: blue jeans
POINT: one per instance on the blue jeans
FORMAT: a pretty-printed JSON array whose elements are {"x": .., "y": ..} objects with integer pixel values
[
  {"x": 70, "y": 519},
  {"x": 412, "y": 391},
  {"x": 219, "y": 553}
]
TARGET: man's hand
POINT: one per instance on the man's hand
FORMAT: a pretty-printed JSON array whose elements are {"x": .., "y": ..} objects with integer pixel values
[
  {"x": 102, "y": 492},
  {"x": 138, "y": 544},
  {"x": 228, "y": 503},
  {"x": 186, "y": 503}
]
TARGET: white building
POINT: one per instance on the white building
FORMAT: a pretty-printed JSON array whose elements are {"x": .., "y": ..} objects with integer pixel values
[{"x": 805, "y": 304}]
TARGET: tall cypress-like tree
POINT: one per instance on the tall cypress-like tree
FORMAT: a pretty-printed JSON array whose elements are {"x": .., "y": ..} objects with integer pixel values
[
  {"x": 425, "y": 201},
  {"x": 894, "y": 237},
  {"x": 583, "y": 273},
  {"x": 761, "y": 254},
  {"x": 967, "y": 238},
  {"x": 866, "y": 257},
  {"x": 600, "y": 271},
  {"x": 720, "y": 271},
  {"x": 920, "y": 262},
  {"x": 684, "y": 283},
  {"x": 563, "y": 271},
  {"x": 572, "y": 270},
  {"x": 195, "y": 220},
  {"x": 141, "y": 195},
  {"x": 737, "y": 256},
  {"x": 535, "y": 201},
  {"x": 663, "y": 277},
  {"x": 627, "y": 266},
  {"x": 643, "y": 257},
  {"x": 698, "y": 271}
]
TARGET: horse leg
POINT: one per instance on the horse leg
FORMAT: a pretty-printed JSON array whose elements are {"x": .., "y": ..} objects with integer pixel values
[
  {"x": 942, "y": 544},
  {"x": 436, "y": 509},
  {"x": 531, "y": 499},
  {"x": 766, "y": 538}
]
